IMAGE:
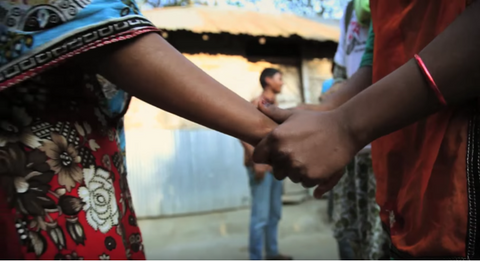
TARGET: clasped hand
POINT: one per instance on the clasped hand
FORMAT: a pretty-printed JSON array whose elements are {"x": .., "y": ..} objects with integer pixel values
[{"x": 309, "y": 147}]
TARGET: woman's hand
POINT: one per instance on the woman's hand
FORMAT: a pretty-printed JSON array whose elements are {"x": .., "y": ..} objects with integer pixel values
[
  {"x": 309, "y": 147},
  {"x": 260, "y": 171}
]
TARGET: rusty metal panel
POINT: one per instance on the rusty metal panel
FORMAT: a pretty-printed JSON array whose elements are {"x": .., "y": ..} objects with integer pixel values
[
  {"x": 175, "y": 172},
  {"x": 202, "y": 19}
]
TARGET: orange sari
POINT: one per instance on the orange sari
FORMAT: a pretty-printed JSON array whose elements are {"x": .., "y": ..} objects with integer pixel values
[{"x": 427, "y": 173}]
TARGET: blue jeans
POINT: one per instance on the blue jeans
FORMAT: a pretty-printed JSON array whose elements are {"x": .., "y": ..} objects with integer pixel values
[{"x": 265, "y": 215}]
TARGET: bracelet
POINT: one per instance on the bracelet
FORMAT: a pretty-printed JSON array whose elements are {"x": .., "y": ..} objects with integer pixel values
[{"x": 430, "y": 80}]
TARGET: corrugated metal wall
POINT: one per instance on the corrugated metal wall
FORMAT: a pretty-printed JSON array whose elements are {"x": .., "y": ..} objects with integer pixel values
[{"x": 185, "y": 171}]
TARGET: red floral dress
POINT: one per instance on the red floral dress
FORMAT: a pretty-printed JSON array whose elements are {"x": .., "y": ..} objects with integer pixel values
[
  {"x": 62, "y": 171},
  {"x": 63, "y": 187}
]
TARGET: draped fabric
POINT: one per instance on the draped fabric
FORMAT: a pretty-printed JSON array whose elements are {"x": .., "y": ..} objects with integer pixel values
[
  {"x": 63, "y": 183},
  {"x": 425, "y": 187}
]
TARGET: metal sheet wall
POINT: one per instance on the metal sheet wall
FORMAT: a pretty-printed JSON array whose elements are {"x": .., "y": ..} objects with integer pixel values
[{"x": 179, "y": 172}]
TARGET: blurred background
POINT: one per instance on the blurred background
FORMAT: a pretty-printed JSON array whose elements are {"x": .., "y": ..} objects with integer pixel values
[{"x": 189, "y": 186}]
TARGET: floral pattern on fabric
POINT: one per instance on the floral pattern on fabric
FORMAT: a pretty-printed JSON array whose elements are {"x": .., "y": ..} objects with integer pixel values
[
  {"x": 63, "y": 174},
  {"x": 118, "y": 101},
  {"x": 356, "y": 213},
  {"x": 99, "y": 196}
]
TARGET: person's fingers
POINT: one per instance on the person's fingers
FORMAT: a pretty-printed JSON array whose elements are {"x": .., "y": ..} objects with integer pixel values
[
  {"x": 295, "y": 175},
  {"x": 295, "y": 179},
  {"x": 325, "y": 187},
  {"x": 308, "y": 183},
  {"x": 274, "y": 112},
  {"x": 261, "y": 154},
  {"x": 280, "y": 172},
  {"x": 281, "y": 162},
  {"x": 322, "y": 189}
]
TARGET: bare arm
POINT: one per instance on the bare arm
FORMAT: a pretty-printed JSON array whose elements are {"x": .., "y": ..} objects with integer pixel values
[
  {"x": 453, "y": 59},
  {"x": 358, "y": 81},
  {"x": 394, "y": 102},
  {"x": 350, "y": 88},
  {"x": 152, "y": 70},
  {"x": 346, "y": 90}
]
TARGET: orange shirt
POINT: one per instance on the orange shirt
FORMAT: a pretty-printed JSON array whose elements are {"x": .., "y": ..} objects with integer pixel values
[{"x": 426, "y": 187}]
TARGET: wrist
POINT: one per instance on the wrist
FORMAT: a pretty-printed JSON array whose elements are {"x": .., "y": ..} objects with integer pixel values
[
  {"x": 356, "y": 126},
  {"x": 263, "y": 127}
]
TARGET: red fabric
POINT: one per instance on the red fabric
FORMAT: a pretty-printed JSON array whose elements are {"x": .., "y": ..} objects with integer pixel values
[
  {"x": 421, "y": 169},
  {"x": 63, "y": 171},
  {"x": 8, "y": 249},
  {"x": 69, "y": 194}
]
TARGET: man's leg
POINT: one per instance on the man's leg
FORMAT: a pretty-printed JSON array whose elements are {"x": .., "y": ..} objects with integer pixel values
[
  {"x": 259, "y": 214},
  {"x": 275, "y": 205}
]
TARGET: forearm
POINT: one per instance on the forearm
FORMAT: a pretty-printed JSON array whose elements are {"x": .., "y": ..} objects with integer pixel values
[
  {"x": 308, "y": 107},
  {"x": 404, "y": 96},
  {"x": 341, "y": 92},
  {"x": 350, "y": 88},
  {"x": 152, "y": 70}
]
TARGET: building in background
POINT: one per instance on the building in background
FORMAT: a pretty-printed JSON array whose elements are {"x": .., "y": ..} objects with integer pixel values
[{"x": 191, "y": 169}]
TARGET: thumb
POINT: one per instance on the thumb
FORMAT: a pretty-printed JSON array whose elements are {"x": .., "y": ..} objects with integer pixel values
[
  {"x": 274, "y": 112},
  {"x": 261, "y": 154},
  {"x": 323, "y": 188}
]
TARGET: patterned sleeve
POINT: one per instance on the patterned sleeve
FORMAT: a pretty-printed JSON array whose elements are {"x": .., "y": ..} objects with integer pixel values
[
  {"x": 367, "y": 58},
  {"x": 37, "y": 34}
]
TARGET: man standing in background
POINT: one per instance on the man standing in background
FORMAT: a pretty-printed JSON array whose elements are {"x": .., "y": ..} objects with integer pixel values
[{"x": 266, "y": 206}]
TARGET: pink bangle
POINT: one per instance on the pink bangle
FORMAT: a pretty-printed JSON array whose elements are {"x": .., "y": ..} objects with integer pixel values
[{"x": 430, "y": 80}]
